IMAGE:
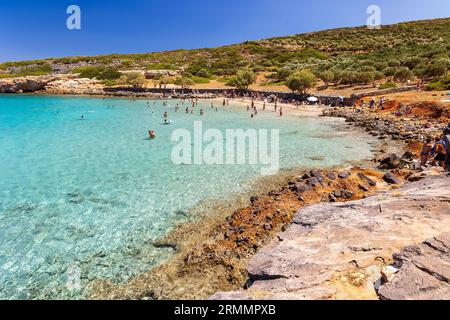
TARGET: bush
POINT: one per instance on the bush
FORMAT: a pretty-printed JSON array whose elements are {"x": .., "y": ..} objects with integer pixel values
[
  {"x": 242, "y": 80},
  {"x": 347, "y": 77},
  {"x": 199, "y": 80},
  {"x": 389, "y": 71},
  {"x": 161, "y": 66},
  {"x": 436, "y": 70},
  {"x": 37, "y": 70},
  {"x": 184, "y": 82},
  {"x": 403, "y": 75},
  {"x": 387, "y": 85},
  {"x": 135, "y": 79},
  {"x": 394, "y": 63},
  {"x": 301, "y": 81},
  {"x": 109, "y": 74},
  {"x": 441, "y": 85},
  {"x": 99, "y": 73},
  {"x": 203, "y": 73},
  {"x": 366, "y": 77},
  {"x": 327, "y": 77}
]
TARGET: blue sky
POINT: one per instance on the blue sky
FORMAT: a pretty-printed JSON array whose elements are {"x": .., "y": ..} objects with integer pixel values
[{"x": 37, "y": 29}]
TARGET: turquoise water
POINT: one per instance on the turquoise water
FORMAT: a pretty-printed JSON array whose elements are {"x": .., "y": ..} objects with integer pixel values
[{"x": 84, "y": 199}]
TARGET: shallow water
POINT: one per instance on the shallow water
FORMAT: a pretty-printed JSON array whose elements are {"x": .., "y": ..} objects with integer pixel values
[{"x": 82, "y": 199}]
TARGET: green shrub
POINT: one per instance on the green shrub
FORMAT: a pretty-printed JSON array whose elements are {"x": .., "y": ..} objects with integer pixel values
[
  {"x": 99, "y": 73},
  {"x": 199, "y": 80},
  {"x": 135, "y": 79},
  {"x": 203, "y": 73},
  {"x": 242, "y": 80},
  {"x": 36, "y": 70},
  {"x": 161, "y": 66},
  {"x": 301, "y": 81},
  {"x": 387, "y": 85},
  {"x": 327, "y": 77},
  {"x": 185, "y": 83},
  {"x": 403, "y": 75},
  {"x": 441, "y": 85}
]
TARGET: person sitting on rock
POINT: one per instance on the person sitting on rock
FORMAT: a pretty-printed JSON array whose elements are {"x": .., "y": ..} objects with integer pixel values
[
  {"x": 425, "y": 153},
  {"x": 446, "y": 140},
  {"x": 439, "y": 152}
]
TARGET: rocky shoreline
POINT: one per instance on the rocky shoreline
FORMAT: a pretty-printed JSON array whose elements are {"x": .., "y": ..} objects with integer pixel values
[
  {"x": 345, "y": 251},
  {"x": 355, "y": 250}
]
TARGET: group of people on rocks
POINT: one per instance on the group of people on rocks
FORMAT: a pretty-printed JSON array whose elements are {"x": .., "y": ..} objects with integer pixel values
[
  {"x": 438, "y": 152},
  {"x": 372, "y": 104}
]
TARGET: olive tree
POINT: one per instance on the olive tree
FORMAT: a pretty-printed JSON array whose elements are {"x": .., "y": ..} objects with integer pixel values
[
  {"x": 327, "y": 76},
  {"x": 243, "y": 79},
  {"x": 301, "y": 81},
  {"x": 135, "y": 79}
]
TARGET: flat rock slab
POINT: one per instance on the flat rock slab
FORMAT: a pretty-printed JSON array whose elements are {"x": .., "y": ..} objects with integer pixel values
[
  {"x": 424, "y": 272},
  {"x": 329, "y": 240}
]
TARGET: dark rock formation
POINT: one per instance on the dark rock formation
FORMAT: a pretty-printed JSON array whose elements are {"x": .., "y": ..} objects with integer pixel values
[{"x": 391, "y": 178}]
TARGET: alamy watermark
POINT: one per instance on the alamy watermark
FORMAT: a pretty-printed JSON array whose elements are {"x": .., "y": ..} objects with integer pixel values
[
  {"x": 235, "y": 147},
  {"x": 374, "y": 19},
  {"x": 73, "y": 22}
]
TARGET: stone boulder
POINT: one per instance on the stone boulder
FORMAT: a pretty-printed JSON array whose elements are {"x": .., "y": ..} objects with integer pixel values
[
  {"x": 24, "y": 84},
  {"x": 391, "y": 178},
  {"x": 424, "y": 272},
  {"x": 392, "y": 161}
]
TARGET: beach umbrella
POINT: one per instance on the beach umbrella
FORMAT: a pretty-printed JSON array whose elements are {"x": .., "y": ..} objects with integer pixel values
[{"x": 313, "y": 99}]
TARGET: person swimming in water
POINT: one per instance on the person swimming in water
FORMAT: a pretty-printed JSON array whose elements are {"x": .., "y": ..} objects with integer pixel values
[
  {"x": 202, "y": 112},
  {"x": 166, "y": 115},
  {"x": 152, "y": 134}
]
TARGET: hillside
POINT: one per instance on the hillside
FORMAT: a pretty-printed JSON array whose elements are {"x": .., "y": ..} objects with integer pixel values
[{"x": 347, "y": 56}]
